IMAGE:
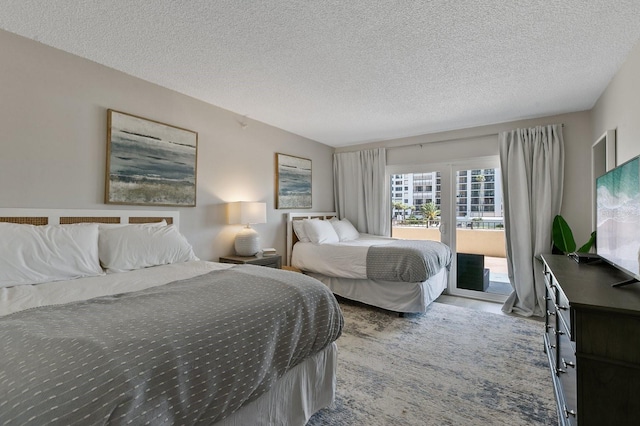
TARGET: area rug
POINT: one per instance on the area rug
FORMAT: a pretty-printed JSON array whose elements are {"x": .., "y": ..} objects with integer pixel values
[{"x": 448, "y": 366}]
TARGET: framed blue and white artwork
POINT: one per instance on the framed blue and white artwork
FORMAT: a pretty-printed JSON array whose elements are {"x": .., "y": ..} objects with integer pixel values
[
  {"x": 293, "y": 182},
  {"x": 149, "y": 163}
]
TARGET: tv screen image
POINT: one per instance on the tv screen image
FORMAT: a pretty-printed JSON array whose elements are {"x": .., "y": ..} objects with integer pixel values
[{"x": 618, "y": 217}]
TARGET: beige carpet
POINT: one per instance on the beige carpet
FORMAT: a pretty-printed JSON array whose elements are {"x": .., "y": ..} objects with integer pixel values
[{"x": 448, "y": 366}]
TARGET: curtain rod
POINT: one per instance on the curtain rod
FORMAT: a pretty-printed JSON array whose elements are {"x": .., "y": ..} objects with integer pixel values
[{"x": 420, "y": 144}]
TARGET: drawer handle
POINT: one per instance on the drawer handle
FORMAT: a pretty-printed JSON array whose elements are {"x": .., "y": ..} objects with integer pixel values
[
  {"x": 562, "y": 308},
  {"x": 568, "y": 363},
  {"x": 560, "y": 332},
  {"x": 549, "y": 313},
  {"x": 549, "y": 326},
  {"x": 568, "y": 412},
  {"x": 560, "y": 371}
]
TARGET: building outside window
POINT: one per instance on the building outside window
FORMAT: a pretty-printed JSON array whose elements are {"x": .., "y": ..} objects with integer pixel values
[{"x": 479, "y": 193}]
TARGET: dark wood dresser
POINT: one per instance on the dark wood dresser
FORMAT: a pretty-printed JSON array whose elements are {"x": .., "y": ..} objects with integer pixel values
[{"x": 592, "y": 340}]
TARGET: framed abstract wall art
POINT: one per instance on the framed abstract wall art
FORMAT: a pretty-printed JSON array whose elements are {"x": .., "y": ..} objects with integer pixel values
[
  {"x": 293, "y": 182},
  {"x": 149, "y": 163}
]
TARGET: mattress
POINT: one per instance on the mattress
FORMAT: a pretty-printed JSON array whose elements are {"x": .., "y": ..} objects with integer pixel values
[
  {"x": 347, "y": 259},
  {"x": 377, "y": 258},
  {"x": 393, "y": 296}
]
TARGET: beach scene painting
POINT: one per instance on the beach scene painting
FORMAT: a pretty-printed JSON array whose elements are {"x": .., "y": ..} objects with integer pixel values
[
  {"x": 293, "y": 182},
  {"x": 149, "y": 163}
]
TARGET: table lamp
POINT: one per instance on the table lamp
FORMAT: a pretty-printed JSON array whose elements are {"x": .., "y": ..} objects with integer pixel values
[{"x": 247, "y": 241}]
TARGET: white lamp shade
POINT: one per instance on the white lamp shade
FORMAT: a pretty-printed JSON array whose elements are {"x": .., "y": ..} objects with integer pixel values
[{"x": 243, "y": 212}]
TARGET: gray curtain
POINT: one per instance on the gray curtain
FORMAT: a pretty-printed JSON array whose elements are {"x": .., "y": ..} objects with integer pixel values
[
  {"x": 362, "y": 193},
  {"x": 532, "y": 163}
]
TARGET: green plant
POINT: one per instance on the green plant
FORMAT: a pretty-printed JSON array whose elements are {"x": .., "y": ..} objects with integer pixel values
[
  {"x": 430, "y": 210},
  {"x": 563, "y": 240}
]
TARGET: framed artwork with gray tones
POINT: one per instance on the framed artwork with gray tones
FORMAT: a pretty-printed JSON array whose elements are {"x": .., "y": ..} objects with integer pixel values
[
  {"x": 293, "y": 182},
  {"x": 149, "y": 163}
]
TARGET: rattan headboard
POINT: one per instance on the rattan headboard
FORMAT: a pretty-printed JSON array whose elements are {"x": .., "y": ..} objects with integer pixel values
[
  {"x": 292, "y": 238},
  {"x": 69, "y": 216}
]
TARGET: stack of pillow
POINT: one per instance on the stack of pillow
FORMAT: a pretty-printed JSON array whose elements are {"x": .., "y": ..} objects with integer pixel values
[
  {"x": 325, "y": 231},
  {"x": 36, "y": 254}
]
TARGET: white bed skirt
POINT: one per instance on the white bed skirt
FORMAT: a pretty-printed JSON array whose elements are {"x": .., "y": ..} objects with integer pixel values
[
  {"x": 302, "y": 391},
  {"x": 391, "y": 295}
]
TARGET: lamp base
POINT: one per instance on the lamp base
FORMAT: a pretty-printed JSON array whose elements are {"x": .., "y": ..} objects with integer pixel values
[{"x": 247, "y": 242}]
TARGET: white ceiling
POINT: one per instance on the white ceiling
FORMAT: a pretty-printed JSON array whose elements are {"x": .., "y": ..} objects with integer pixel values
[{"x": 344, "y": 72}]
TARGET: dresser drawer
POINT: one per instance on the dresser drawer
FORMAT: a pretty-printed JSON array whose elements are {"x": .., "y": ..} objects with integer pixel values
[
  {"x": 564, "y": 313},
  {"x": 567, "y": 370},
  {"x": 550, "y": 314},
  {"x": 550, "y": 283},
  {"x": 564, "y": 383}
]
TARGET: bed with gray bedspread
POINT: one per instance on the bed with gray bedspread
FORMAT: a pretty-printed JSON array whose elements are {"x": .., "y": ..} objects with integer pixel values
[
  {"x": 188, "y": 352},
  {"x": 407, "y": 260}
]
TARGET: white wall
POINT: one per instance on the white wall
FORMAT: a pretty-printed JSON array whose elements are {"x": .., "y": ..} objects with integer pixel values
[
  {"x": 619, "y": 108},
  {"x": 53, "y": 124}
]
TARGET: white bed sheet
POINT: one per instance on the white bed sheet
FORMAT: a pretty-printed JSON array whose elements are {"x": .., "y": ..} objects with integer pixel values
[
  {"x": 18, "y": 298},
  {"x": 395, "y": 296},
  {"x": 347, "y": 259},
  {"x": 296, "y": 396}
]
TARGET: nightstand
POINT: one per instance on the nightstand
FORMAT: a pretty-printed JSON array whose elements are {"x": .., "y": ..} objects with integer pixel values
[{"x": 274, "y": 261}]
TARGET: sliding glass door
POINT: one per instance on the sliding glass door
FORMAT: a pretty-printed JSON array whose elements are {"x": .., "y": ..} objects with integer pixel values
[{"x": 459, "y": 204}]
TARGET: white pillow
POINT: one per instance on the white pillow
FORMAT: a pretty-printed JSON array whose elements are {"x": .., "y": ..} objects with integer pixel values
[
  {"x": 104, "y": 226},
  {"x": 140, "y": 246},
  {"x": 36, "y": 254},
  {"x": 345, "y": 230},
  {"x": 298, "y": 228},
  {"x": 321, "y": 232}
]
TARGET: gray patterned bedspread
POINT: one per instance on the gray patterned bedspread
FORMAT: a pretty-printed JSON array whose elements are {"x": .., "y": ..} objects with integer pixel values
[
  {"x": 188, "y": 352},
  {"x": 407, "y": 260}
]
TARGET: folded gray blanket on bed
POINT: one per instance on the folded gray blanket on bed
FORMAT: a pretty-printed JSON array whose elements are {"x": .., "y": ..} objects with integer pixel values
[
  {"x": 188, "y": 352},
  {"x": 407, "y": 260}
]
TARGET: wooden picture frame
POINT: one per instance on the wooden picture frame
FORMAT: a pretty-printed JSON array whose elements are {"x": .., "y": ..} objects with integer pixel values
[
  {"x": 149, "y": 162},
  {"x": 293, "y": 182}
]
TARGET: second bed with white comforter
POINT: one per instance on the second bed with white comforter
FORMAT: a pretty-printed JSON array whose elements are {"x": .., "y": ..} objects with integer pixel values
[{"x": 398, "y": 275}]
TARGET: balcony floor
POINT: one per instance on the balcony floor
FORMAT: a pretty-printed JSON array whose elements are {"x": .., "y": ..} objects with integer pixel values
[{"x": 498, "y": 276}]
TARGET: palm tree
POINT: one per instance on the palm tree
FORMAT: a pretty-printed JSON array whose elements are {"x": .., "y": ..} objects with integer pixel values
[
  {"x": 430, "y": 211},
  {"x": 397, "y": 205},
  {"x": 402, "y": 207},
  {"x": 410, "y": 208}
]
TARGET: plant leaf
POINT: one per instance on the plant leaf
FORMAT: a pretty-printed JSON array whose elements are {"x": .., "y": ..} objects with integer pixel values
[
  {"x": 562, "y": 235},
  {"x": 586, "y": 248}
]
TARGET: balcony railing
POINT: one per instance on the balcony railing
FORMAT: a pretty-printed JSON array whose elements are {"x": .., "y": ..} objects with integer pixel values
[
  {"x": 470, "y": 223},
  {"x": 484, "y": 237}
]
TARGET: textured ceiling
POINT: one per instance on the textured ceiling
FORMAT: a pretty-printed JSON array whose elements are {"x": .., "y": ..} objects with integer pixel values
[{"x": 350, "y": 71}]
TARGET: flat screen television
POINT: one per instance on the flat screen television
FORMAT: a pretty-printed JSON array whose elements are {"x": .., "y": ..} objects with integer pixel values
[{"x": 618, "y": 218}]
